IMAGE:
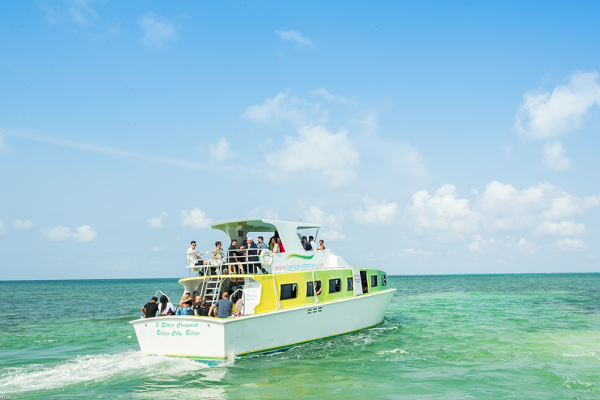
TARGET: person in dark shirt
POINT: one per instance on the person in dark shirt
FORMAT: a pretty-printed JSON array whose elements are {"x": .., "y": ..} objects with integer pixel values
[
  {"x": 204, "y": 309},
  {"x": 252, "y": 266},
  {"x": 235, "y": 256},
  {"x": 196, "y": 305},
  {"x": 151, "y": 308},
  {"x": 306, "y": 244}
]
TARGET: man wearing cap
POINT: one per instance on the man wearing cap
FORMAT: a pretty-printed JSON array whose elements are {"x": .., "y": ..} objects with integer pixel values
[{"x": 150, "y": 309}]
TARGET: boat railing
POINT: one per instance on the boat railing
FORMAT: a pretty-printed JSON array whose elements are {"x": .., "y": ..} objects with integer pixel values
[{"x": 247, "y": 260}]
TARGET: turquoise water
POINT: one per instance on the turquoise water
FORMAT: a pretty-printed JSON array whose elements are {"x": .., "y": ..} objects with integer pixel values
[{"x": 484, "y": 337}]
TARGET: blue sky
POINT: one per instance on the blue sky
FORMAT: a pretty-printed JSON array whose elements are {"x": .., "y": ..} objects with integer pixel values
[{"x": 427, "y": 137}]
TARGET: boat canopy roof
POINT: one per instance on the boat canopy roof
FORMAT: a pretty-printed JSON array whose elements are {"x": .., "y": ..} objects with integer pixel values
[{"x": 239, "y": 228}]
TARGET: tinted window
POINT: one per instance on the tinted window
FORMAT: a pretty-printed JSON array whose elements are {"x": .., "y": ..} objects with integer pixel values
[
  {"x": 309, "y": 288},
  {"x": 349, "y": 283},
  {"x": 289, "y": 291},
  {"x": 383, "y": 280},
  {"x": 335, "y": 285},
  {"x": 373, "y": 280}
]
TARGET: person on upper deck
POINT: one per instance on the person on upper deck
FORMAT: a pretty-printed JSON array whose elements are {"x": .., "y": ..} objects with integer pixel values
[
  {"x": 235, "y": 256},
  {"x": 150, "y": 309},
  {"x": 165, "y": 307},
  {"x": 306, "y": 244},
  {"x": 312, "y": 242},
  {"x": 252, "y": 266},
  {"x": 280, "y": 243},
  {"x": 193, "y": 256},
  {"x": 274, "y": 246},
  {"x": 321, "y": 245},
  {"x": 261, "y": 244},
  {"x": 275, "y": 236},
  {"x": 224, "y": 306}
]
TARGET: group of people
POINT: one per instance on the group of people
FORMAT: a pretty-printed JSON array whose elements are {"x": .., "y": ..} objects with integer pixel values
[
  {"x": 193, "y": 305},
  {"x": 244, "y": 259}
]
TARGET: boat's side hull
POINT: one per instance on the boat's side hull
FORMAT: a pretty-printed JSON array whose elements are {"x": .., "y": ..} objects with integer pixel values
[{"x": 211, "y": 338}]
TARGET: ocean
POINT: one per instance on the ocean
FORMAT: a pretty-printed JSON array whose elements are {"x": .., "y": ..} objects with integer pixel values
[{"x": 454, "y": 336}]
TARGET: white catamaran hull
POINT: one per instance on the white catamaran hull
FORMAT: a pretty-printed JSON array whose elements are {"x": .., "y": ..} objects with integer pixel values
[{"x": 214, "y": 338}]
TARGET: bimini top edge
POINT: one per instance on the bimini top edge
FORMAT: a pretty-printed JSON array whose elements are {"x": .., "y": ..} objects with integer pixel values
[{"x": 239, "y": 228}]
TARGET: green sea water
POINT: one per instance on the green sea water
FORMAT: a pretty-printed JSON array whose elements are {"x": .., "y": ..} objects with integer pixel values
[{"x": 469, "y": 336}]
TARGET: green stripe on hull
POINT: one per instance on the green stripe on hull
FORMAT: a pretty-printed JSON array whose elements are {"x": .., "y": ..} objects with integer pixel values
[{"x": 300, "y": 256}]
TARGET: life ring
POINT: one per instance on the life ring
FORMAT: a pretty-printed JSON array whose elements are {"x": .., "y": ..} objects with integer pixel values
[{"x": 266, "y": 258}]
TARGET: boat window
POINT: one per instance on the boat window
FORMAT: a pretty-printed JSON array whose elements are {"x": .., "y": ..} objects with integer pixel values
[
  {"x": 350, "y": 284},
  {"x": 383, "y": 280},
  {"x": 373, "y": 280},
  {"x": 309, "y": 288},
  {"x": 335, "y": 285},
  {"x": 289, "y": 291}
]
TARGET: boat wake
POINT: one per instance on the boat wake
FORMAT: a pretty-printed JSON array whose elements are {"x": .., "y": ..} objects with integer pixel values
[{"x": 86, "y": 371}]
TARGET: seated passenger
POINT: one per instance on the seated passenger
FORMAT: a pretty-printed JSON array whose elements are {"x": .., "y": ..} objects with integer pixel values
[
  {"x": 165, "y": 307},
  {"x": 204, "y": 309},
  {"x": 196, "y": 305},
  {"x": 193, "y": 256},
  {"x": 185, "y": 306},
  {"x": 318, "y": 292},
  {"x": 321, "y": 245},
  {"x": 223, "y": 306},
  {"x": 365, "y": 287},
  {"x": 217, "y": 256},
  {"x": 150, "y": 309}
]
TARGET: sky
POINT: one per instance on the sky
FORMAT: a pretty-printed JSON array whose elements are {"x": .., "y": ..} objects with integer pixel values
[{"x": 426, "y": 137}]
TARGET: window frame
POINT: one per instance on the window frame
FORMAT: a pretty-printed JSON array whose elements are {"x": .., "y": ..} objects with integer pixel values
[
  {"x": 309, "y": 288},
  {"x": 383, "y": 280},
  {"x": 281, "y": 291},
  {"x": 374, "y": 282},
  {"x": 350, "y": 283},
  {"x": 335, "y": 280}
]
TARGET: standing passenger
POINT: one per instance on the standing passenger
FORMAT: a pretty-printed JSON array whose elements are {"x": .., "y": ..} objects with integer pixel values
[{"x": 312, "y": 242}]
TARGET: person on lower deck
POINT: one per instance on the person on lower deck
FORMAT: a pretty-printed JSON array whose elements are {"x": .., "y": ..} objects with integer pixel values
[
  {"x": 204, "y": 309},
  {"x": 224, "y": 306},
  {"x": 185, "y": 306},
  {"x": 165, "y": 307},
  {"x": 150, "y": 309},
  {"x": 196, "y": 305}
]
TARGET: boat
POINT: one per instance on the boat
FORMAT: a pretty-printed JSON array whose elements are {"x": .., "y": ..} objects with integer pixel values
[{"x": 294, "y": 297}]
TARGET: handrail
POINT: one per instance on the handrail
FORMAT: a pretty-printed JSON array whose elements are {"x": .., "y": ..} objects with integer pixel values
[{"x": 243, "y": 300}]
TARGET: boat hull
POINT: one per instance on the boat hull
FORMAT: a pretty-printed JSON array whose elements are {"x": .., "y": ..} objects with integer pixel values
[{"x": 214, "y": 338}]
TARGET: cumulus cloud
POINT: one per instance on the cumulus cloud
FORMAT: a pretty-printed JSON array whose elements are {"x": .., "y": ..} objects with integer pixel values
[
  {"x": 543, "y": 209},
  {"x": 77, "y": 11},
  {"x": 443, "y": 214},
  {"x": 568, "y": 244},
  {"x": 382, "y": 213},
  {"x": 221, "y": 150},
  {"x": 327, "y": 95},
  {"x": 547, "y": 115},
  {"x": 332, "y": 224},
  {"x": 328, "y": 157},
  {"x": 284, "y": 107},
  {"x": 479, "y": 244},
  {"x": 157, "y": 30},
  {"x": 554, "y": 156},
  {"x": 157, "y": 223},
  {"x": 83, "y": 234},
  {"x": 526, "y": 245},
  {"x": 22, "y": 224},
  {"x": 293, "y": 36},
  {"x": 195, "y": 219}
]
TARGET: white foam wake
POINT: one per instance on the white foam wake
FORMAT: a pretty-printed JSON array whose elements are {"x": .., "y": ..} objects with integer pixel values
[{"x": 90, "y": 369}]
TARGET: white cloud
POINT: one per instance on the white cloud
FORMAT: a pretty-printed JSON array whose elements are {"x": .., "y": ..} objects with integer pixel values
[
  {"x": 195, "y": 219},
  {"x": 157, "y": 223},
  {"x": 546, "y": 115},
  {"x": 293, "y": 36},
  {"x": 332, "y": 224},
  {"x": 154, "y": 248},
  {"x": 554, "y": 156},
  {"x": 221, "y": 150},
  {"x": 284, "y": 107},
  {"x": 22, "y": 224},
  {"x": 568, "y": 244},
  {"x": 543, "y": 209},
  {"x": 327, "y": 95},
  {"x": 61, "y": 233},
  {"x": 480, "y": 245},
  {"x": 526, "y": 245},
  {"x": 414, "y": 252},
  {"x": 3, "y": 147},
  {"x": 78, "y": 11},
  {"x": 443, "y": 214},
  {"x": 156, "y": 29},
  {"x": 383, "y": 213},
  {"x": 2, "y": 230},
  {"x": 563, "y": 228},
  {"x": 327, "y": 157}
]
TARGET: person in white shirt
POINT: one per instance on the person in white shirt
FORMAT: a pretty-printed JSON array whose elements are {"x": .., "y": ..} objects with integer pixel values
[
  {"x": 193, "y": 256},
  {"x": 312, "y": 242},
  {"x": 165, "y": 307}
]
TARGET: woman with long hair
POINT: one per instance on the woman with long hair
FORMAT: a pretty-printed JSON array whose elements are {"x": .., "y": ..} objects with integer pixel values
[
  {"x": 275, "y": 248},
  {"x": 165, "y": 307}
]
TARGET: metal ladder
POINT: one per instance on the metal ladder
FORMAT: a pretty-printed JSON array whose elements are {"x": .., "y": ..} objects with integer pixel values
[{"x": 211, "y": 289}]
